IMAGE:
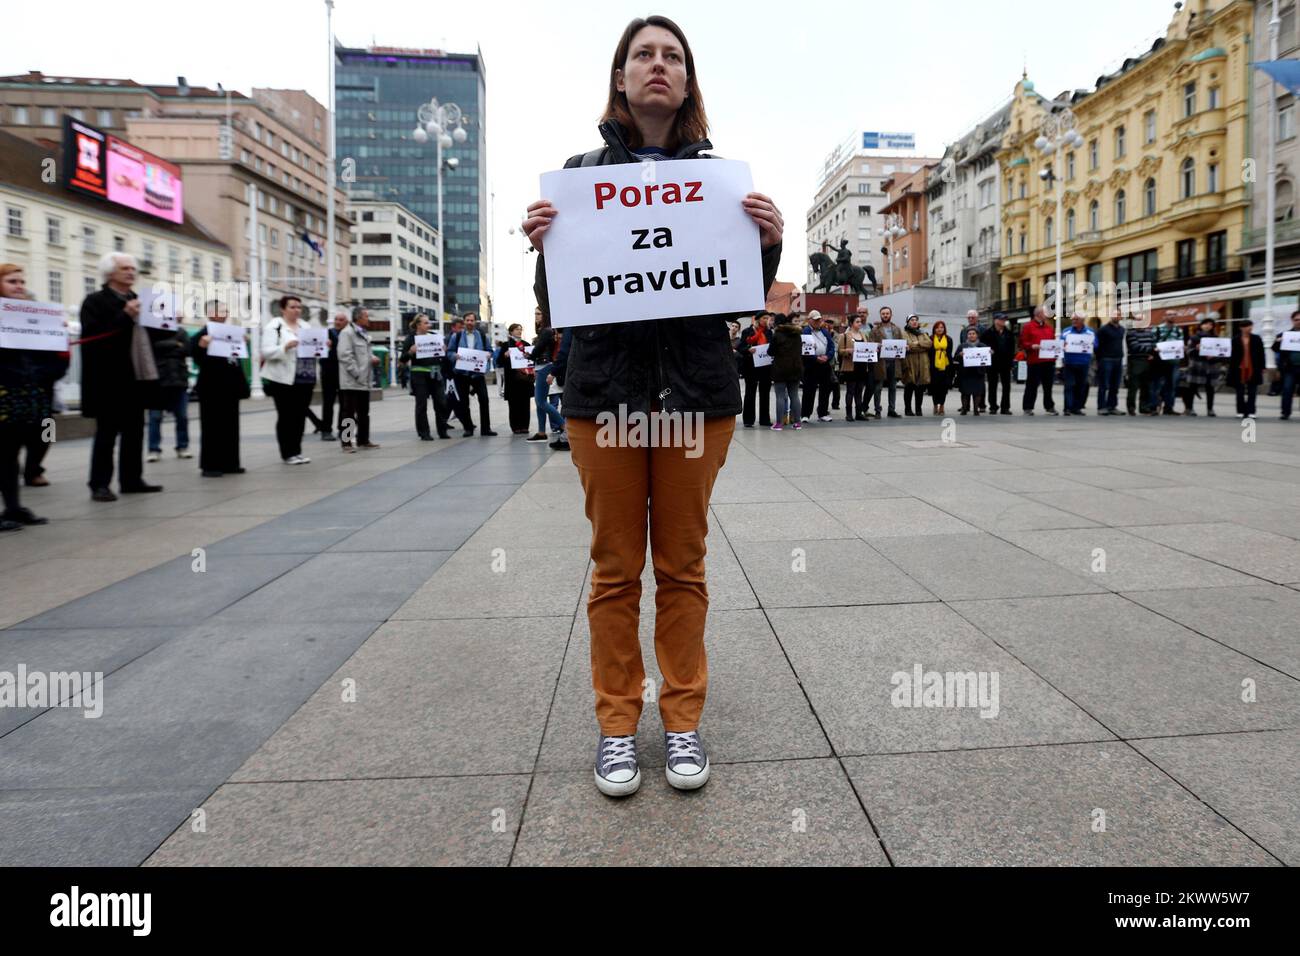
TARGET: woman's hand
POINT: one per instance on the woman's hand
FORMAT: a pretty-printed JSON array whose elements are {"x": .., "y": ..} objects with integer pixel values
[
  {"x": 204, "y": 340},
  {"x": 766, "y": 216},
  {"x": 539, "y": 219}
]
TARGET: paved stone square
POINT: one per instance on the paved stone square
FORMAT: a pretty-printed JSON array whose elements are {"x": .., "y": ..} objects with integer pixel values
[{"x": 386, "y": 657}]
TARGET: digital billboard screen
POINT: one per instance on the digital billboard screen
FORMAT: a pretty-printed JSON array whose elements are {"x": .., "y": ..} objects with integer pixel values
[{"x": 100, "y": 164}]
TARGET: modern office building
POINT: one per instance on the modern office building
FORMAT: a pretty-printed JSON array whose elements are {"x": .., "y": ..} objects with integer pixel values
[
  {"x": 377, "y": 93},
  {"x": 394, "y": 259}
]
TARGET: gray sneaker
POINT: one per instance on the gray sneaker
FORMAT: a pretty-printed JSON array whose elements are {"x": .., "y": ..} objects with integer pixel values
[
  {"x": 617, "y": 773},
  {"x": 688, "y": 764}
]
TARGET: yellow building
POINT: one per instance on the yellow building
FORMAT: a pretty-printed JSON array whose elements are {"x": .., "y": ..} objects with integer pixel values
[{"x": 1155, "y": 192}]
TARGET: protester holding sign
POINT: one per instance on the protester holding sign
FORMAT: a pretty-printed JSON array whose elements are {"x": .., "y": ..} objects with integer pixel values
[
  {"x": 1110, "y": 364},
  {"x": 117, "y": 367},
  {"x": 220, "y": 388},
  {"x": 27, "y": 378},
  {"x": 288, "y": 378},
  {"x": 1164, "y": 367},
  {"x": 171, "y": 349},
  {"x": 1042, "y": 368},
  {"x": 970, "y": 377},
  {"x": 1288, "y": 362},
  {"x": 469, "y": 371},
  {"x": 1246, "y": 367},
  {"x": 918, "y": 365},
  {"x": 786, "y": 351},
  {"x": 1206, "y": 369},
  {"x": 999, "y": 338},
  {"x": 758, "y": 377},
  {"x": 818, "y": 357},
  {"x": 513, "y": 362},
  {"x": 854, "y": 373},
  {"x": 426, "y": 381},
  {"x": 679, "y": 365},
  {"x": 35, "y": 334},
  {"x": 886, "y": 371},
  {"x": 356, "y": 363},
  {"x": 1080, "y": 343}
]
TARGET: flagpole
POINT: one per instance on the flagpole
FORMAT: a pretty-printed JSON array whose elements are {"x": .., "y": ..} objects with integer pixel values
[
  {"x": 1274, "y": 28},
  {"x": 330, "y": 174}
]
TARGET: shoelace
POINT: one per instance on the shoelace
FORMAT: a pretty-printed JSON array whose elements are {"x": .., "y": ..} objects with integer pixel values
[
  {"x": 684, "y": 745},
  {"x": 618, "y": 750}
]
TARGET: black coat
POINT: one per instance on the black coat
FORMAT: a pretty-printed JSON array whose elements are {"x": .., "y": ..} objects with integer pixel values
[
  {"x": 1003, "y": 345},
  {"x": 27, "y": 378},
  {"x": 787, "y": 353},
  {"x": 686, "y": 363},
  {"x": 170, "y": 349},
  {"x": 220, "y": 379},
  {"x": 107, "y": 373},
  {"x": 1256, "y": 360},
  {"x": 744, "y": 357}
]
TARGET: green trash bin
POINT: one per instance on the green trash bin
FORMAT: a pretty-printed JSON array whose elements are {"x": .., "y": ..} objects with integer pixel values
[{"x": 381, "y": 352}]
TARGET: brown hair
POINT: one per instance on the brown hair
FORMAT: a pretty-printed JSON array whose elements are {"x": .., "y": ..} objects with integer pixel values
[
  {"x": 691, "y": 124},
  {"x": 934, "y": 329}
]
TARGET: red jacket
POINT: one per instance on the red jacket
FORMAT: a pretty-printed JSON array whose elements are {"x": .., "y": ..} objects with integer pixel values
[{"x": 1031, "y": 333}]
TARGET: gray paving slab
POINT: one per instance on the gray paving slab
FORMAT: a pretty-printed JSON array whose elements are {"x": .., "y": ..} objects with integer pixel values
[
  {"x": 795, "y": 574},
  {"x": 1111, "y": 508},
  {"x": 187, "y": 713},
  {"x": 298, "y": 532},
  {"x": 1272, "y": 557},
  {"x": 779, "y": 522},
  {"x": 755, "y": 709},
  {"x": 1225, "y": 771},
  {"x": 1260, "y": 621},
  {"x": 858, "y": 666},
  {"x": 963, "y": 566},
  {"x": 481, "y": 581},
  {"x": 895, "y": 517},
  {"x": 438, "y": 520},
  {"x": 425, "y": 694},
  {"x": 786, "y": 813},
  {"x": 1134, "y": 671},
  {"x": 98, "y": 826},
  {"x": 1038, "y": 806},
  {"x": 447, "y": 821}
]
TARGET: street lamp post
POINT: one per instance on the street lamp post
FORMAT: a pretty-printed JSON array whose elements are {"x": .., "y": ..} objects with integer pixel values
[
  {"x": 1270, "y": 242},
  {"x": 1057, "y": 132},
  {"x": 445, "y": 122},
  {"x": 330, "y": 173},
  {"x": 893, "y": 229}
]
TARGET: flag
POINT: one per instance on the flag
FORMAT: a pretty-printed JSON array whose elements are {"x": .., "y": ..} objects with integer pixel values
[
  {"x": 314, "y": 246},
  {"x": 1285, "y": 72}
]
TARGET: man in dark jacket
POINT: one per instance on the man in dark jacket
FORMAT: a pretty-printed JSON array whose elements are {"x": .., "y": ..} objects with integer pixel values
[
  {"x": 1110, "y": 364},
  {"x": 817, "y": 368},
  {"x": 115, "y": 359},
  {"x": 1141, "y": 344},
  {"x": 1002, "y": 342},
  {"x": 473, "y": 338},
  {"x": 170, "y": 356},
  {"x": 329, "y": 378},
  {"x": 677, "y": 365},
  {"x": 1288, "y": 366}
]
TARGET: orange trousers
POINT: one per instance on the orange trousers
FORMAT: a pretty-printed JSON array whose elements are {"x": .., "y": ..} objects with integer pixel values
[{"x": 631, "y": 491}]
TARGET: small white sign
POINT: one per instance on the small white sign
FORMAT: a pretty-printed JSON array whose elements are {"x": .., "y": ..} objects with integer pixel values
[
  {"x": 313, "y": 343},
  {"x": 472, "y": 360},
  {"x": 893, "y": 349},
  {"x": 1050, "y": 348},
  {"x": 158, "y": 310},
  {"x": 1290, "y": 342},
  {"x": 226, "y": 341},
  {"x": 519, "y": 360},
  {"x": 32, "y": 325},
  {"x": 809, "y": 346},
  {"x": 430, "y": 346},
  {"x": 1215, "y": 348},
  {"x": 761, "y": 356},
  {"x": 977, "y": 358},
  {"x": 1170, "y": 351},
  {"x": 1078, "y": 343},
  {"x": 866, "y": 352}
]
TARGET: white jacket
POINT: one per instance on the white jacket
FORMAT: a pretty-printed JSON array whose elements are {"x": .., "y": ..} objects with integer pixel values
[{"x": 279, "y": 364}]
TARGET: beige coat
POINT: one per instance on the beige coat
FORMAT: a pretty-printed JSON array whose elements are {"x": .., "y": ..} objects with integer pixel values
[
  {"x": 916, "y": 367},
  {"x": 844, "y": 346}
]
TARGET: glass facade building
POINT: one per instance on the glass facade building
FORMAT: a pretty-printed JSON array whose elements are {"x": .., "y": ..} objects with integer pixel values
[{"x": 377, "y": 93}]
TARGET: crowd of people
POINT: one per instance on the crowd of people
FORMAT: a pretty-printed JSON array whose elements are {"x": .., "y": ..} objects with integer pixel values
[{"x": 815, "y": 366}]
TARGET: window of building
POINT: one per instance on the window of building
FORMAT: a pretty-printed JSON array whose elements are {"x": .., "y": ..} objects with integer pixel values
[
  {"x": 1094, "y": 216},
  {"x": 1286, "y": 119},
  {"x": 1094, "y": 155},
  {"x": 864, "y": 210},
  {"x": 1011, "y": 295},
  {"x": 196, "y": 267},
  {"x": 1120, "y": 142},
  {"x": 173, "y": 260},
  {"x": 275, "y": 239},
  {"x": 87, "y": 285},
  {"x": 1213, "y": 96},
  {"x": 56, "y": 286},
  {"x": 105, "y": 117},
  {"x": 1187, "y": 178},
  {"x": 1121, "y": 207},
  {"x": 1023, "y": 189},
  {"x": 1149, "y": 126},
  {"x": 1027, "y": 291},
  {"x": 1011, "y": 248},
  {"x": 20, "y": 115},
  {"x": 119, "y": 243},
  {"x": 1048, "y": 238},
  {"x": 49, "y": 116},
  {"x": 216, "y": 270},
  {"x": 1216, "y": 247},
  {"x": 1212, "y": 178},
  {"x": 53, "y": 231},
  {"x": 1139, "y": 267},
  {"x": 15, "y": 217},
  {"x": 1149, "y": 198},
  {"x": 1024, "y": 242},
  {"x": 1285, "y": 200},
  {"x": 77, "y": 113},
  {"x": 1069, "y": 165},
  {"x": 1189, "y": 100},
  {"x": 146, "y": 261},
  {"x": 1186, "y": 252},
  {"x": 89, "y": 242}
]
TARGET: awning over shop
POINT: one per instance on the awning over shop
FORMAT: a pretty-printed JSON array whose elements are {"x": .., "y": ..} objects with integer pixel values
[{"x": 1189, "y": 314}]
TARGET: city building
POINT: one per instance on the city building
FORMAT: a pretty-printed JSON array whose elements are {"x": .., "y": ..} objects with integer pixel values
[
  {"x": 906, "y": 206},
  {"x": 849, "y": 200},
  {"x": 1153, "y": 198},
  {"x": 377, "y": 93},
  {"x": 225, "y": 143},
  {"x": 58, "y": 236},
  {"x": 393, "y": 261},
  {"x": 963, "y": 196}
]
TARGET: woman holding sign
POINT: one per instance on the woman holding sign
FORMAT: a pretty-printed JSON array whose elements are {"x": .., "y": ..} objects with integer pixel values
[
  {"x": 1246, "y": 367},
  {"x": 854, "y": 373},
  {"x": 287, "y": 379},
  {"x": 1204, "y": 370},
  {"x": 654, "y": 112},
  {"x": 512, "y": 358}
]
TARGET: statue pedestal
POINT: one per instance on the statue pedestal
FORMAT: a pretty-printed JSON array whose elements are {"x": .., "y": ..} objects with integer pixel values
[{"x": 830, "y": 305}]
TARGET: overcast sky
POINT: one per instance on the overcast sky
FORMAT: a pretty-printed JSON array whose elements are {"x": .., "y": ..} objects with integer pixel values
[{"x": 783, "y": 83}]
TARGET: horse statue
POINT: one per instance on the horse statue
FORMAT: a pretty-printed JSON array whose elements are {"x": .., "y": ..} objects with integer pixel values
[{"x": 830, "y": 274}]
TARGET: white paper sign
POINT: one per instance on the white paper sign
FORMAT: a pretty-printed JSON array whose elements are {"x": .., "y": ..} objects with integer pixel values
[
  {"x": 624, "y": 249},
  {"x": 519, "y": 360},
  {"x": 226, "y": 341},
  {"x": 976, "y": 358},
  {"x": 159, "y": 310},
  {"x": 809, "y": 346},
  {"x": 893, "y": 349},
  {"x": 761, "y": 356},
  {"x": 430, "y": 346},
  {"x": 1290, "y": 342},
  {"x": 313, "y": 343},
  {"x": 1050, "y": 348},
  {"x": 32, "y": 325},
  {"x": 866, "y": 352},
  {"x": 1078, "y": 343},
  {"x": 472, "y": 360},
  {"x": 1169, "y": 351},
  {"x": 1215, "y": 348}
]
